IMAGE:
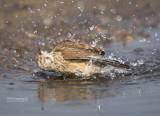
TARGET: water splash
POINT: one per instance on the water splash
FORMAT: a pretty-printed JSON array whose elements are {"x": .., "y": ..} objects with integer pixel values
[
  {"x": 94, "y": 43},
  {"x": 92, "y": 27}
]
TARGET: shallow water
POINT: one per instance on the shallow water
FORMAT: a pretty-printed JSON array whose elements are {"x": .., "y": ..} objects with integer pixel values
[
  {"x": 33, "y": 93},
  {"x": 27, "y": 25}
]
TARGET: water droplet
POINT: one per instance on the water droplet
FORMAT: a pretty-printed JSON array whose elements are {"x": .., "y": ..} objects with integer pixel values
[
  {"x": 59, "y": 33},
  {"x": 92, "y": 27},
  {"x": 69, "y": 35},
  {"x": 113, "y": 10},
  {"x": 81, "y": 5},
  {"x": 99, "y": 107},
  {"x": 102, "y": 12},
  {"x": 35, "y": 31},
  {"x": 94, "y": 43},
  {"x": 103, "y": 35},
  {"x": 142, "y": 40},
  {"x": 130, "y": 3},
  {"x": 155, "y": 34},
  {"x": 119, "y": 18}
]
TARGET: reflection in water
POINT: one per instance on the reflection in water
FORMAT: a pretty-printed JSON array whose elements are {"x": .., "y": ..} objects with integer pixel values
[{"x": 56, "y": 91}]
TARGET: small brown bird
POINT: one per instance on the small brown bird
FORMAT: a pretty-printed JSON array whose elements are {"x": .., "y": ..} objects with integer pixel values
[{"x": 77, "y": 59}]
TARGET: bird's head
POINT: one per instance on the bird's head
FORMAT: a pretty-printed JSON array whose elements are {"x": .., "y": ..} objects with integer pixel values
[{"x": 44, "y": 60}]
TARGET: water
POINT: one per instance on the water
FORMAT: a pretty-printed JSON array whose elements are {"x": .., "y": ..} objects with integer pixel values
[
  {"x": 28, "y": 25},
  {"x": 33, "y": 93}
]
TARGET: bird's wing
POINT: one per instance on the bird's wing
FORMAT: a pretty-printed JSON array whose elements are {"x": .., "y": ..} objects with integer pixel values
[
  {"x": 105, "y": 61},
  {"x": 73, "y": 50}
]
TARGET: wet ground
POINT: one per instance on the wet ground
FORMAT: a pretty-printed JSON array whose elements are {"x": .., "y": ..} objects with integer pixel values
[{"x": 131, "y": 32}]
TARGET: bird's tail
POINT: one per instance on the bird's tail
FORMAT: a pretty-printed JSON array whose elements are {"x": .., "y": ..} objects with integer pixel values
[{"x": 103, "y": 62}]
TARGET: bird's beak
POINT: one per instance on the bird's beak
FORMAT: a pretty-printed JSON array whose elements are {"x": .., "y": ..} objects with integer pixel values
[{"x": 39, "y": 51}]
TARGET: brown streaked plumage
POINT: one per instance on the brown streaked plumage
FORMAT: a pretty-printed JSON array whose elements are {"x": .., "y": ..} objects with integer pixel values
[
  {"x": 72, "y": 58},
  {"x": 73, "y": 50}
]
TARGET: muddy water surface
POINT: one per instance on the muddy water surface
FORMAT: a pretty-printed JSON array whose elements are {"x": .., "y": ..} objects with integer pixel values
[
  {"x": 31, "y": 93},
  {"x": 132, "y": 35}
]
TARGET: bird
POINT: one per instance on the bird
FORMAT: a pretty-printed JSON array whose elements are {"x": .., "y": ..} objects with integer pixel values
[{"x": 71, "y": 58}]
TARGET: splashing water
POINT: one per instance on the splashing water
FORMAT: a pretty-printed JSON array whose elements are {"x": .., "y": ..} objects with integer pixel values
[
  {"x": 92, "y": 27},
  {"x": 94, "y": 43}
]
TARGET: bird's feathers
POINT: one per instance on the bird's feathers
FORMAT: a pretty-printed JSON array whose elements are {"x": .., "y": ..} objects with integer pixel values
[
  {"x": 82, "y": 52},
  {"x": 105, "y": 61},
  {"x": 73, "y": 50}
]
